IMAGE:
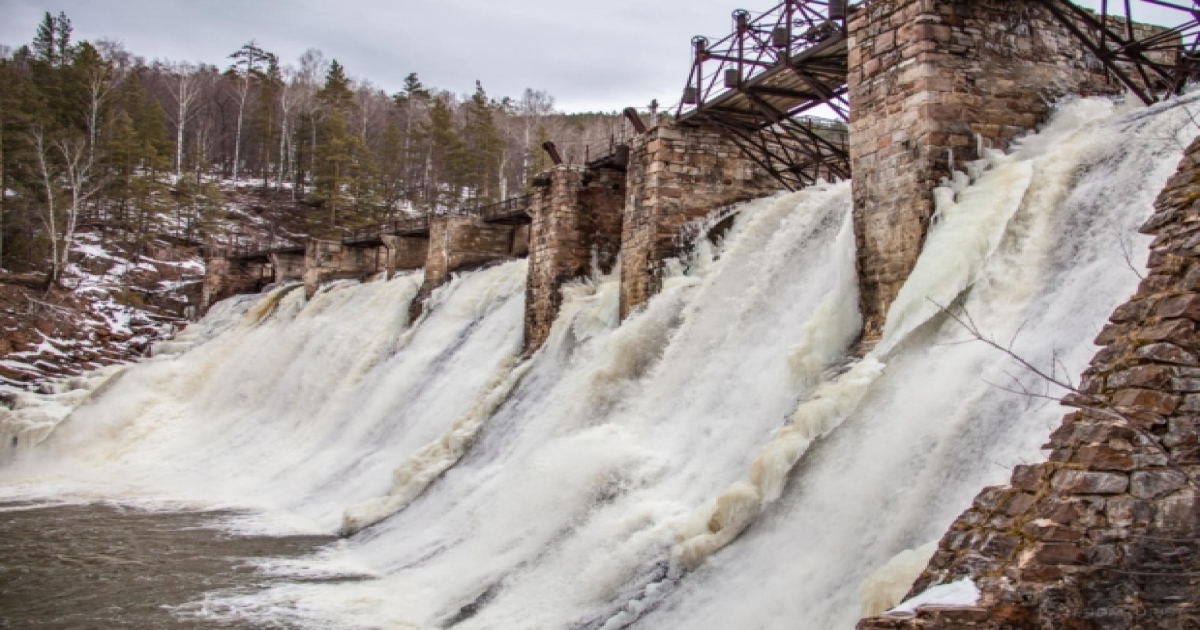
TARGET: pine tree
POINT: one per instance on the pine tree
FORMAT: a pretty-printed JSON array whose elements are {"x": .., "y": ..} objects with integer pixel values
[
  {"x": 334, "y": 154},
  {"x": 247, "y": 66},
  {"x": 52, "y": 44},
  {"x": 445, "y": 156},
  {"x": 270, "y": 85},
  {"x": 391, "y": 171},
  {"x": 410, "y": 101},
  {"x": 483, "y": 147},
  {"x": 336, "y": 93}
]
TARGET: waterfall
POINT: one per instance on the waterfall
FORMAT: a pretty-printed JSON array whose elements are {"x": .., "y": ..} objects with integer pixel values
[{"x": 718, "y": 460}]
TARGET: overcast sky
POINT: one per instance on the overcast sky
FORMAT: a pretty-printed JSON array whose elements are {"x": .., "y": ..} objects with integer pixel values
[{"x": 589, "y": 54}]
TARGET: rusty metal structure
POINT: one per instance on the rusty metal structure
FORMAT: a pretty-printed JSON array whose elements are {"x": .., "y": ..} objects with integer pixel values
[
  {"x": 372, "y": 236},
  {"x": 252, "y": 250},
  {"x": 511, "y": 211},
  {"x": 1152, "y": 62},
  {"x": 760, "y": 86}
]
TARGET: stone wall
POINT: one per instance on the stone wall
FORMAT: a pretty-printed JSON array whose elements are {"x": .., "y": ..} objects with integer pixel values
[
  {"x": 225, "y": 278},
  {"x": 1105, "y": 534},
  {"x": 460, "y": 244},
  {"x": 326, "y": 261},
  {"x": 576, "y": 224},
  {"x": 287, "y": 267},
  {"x": 676, "y": 174},
  {"x": 406, "y": 253},
  {"x": 932, "y": 82}
]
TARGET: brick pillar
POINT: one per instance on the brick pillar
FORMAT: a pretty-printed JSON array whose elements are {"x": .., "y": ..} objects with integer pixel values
[
  {"x": 460, "y": 244},
  {"x": 225, "y": 278},
  {"x": 576, "y": 220},
  {"x": 930, "y": 82},
  {"x": 676, "y": 174},
  {"x": 1106, "y": 534}
]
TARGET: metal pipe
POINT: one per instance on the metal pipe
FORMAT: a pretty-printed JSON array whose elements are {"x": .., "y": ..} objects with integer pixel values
[
  {"x": 634, "y": 119},
  {"x": 552, "y": 151}
]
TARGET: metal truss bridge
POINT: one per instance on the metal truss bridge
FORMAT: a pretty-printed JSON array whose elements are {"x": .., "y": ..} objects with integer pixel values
[{"x": 776, "y": 86}]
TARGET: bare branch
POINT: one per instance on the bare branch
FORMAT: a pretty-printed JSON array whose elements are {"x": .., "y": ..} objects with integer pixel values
[{"x": 1078, "y": 398}]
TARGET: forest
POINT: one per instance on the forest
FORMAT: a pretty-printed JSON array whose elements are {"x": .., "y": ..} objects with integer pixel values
[{"x": 93, "y": 136}]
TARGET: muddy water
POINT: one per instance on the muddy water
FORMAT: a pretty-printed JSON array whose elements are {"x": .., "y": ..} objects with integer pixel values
[{"x": 104, "y": 566}]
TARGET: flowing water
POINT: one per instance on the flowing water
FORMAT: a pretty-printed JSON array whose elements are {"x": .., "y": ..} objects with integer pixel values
[
  {"x": 109, "y": 566},
  {"x": 715, "y": 461}
]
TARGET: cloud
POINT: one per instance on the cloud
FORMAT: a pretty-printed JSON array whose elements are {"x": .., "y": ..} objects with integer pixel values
[{"x": 589, "y": 55}]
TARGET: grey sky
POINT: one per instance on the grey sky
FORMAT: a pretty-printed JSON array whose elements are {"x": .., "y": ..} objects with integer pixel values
[{"x": 590, "y": 54}]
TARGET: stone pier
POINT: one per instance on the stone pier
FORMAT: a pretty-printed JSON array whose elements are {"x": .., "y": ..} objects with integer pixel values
[
  {"x": 461, "y": 243},
  {"x": 287, "y": 267},
  {"x": 326, "y": 261},
  {"x": 931, "y": 83},
  {"x": 576, "y": 229},
  {"x": 405, "y": 253},
  {"x": 677, "y": 174},
  {"x": 226, "y": 277}
]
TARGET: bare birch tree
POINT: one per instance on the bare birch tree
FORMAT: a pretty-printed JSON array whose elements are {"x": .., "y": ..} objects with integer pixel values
[{"x": 185, "y": 83}]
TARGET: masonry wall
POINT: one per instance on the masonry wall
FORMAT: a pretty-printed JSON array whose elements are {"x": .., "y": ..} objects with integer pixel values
[
  {"x": 676, "y": 174},
  {"x": 931, "y": 83},
  {"x": 326, "y": 261},
  {"x": 460, "y": 244},
  {"x": 287, "y": 267},
  {"x": 225, "y": 278},
  {"x": 406, "y": 253},
  {"x": 1105, "y": 535},
  {"x": 576, "y": 224}
]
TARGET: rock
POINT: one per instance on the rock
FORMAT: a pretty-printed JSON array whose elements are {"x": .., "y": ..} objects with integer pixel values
[
  {"x": 1145, "y": 484},
  {"x": 1027, "y": 477},
  {"x": 1149, "y": 400},
  {"x": 1174, "y": 330},
  {"x": 1132, "y": 311},
  {"x": 1056, "y": 554},
  {"x": 1084, "y": 482},
  {"x": 1146, "y": 376},
  {"x": 1104, "y": 458},
  {"x": 1180, "y": 306}
]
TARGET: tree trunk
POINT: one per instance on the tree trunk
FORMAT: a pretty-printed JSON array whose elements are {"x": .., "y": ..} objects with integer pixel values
[{"x": 237, "y": 139}]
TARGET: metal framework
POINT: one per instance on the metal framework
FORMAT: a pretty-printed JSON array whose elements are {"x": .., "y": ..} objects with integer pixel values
[
  {"x": 1153, "y": 62},
  {"x": 758, "y": 85},
  {"x": 511, "y": 211}
]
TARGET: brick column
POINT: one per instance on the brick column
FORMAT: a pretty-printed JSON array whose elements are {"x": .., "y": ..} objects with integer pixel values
[
  {"x": 932, "y": 81},
  {"x": 576, "y": 219},
  {"x": 676, "y": 174}
]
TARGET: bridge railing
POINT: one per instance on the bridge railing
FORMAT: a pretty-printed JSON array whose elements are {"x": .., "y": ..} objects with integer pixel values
[
  {"x": 244, "y": 247},
  {"x": 513, "y": 208},
  {"x": 758, "y": 45}
]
